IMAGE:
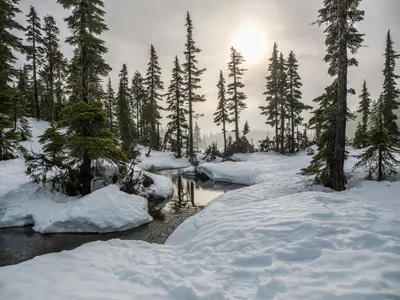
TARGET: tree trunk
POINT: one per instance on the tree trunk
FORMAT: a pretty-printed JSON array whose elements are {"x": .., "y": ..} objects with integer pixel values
[
  {"x": 224, "y": 132},
  {"x": 282, "y": 138},
  {"x": 338, "y": 176},
  {"x": 236, "y": 105},
  {"x": 35, "y": 87},
  {"x": 191, "y": 152},
  {"x": 380, "y": 165},
  {"x": 178, "y": 121}
]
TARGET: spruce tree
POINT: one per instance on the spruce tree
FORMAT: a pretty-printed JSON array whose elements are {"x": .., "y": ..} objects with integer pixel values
[
  {"x": 282, "y": 102},
  {"x": 154, "y": 86},
  {"x": 35, "y": 53},
  {"x": 177, "y": 107},
  {"x": 52, "y": 60},
  {"x": 295, "y": 106},
  {"x": 192, "y": 79},
  {"x": 235, "y": 102},
  {"x": 197, "y": 136},
  {"x": 339, "y": 18},
  {"x": 391, "y": 92},
  {"x": 246, "y": 129},
  {"x": 21, "y": 105},
  {"x": 138, "y": 101},
  {"x": 60, "y": 99},
  {"x": 9, "y": 44},
  {"x": 380, "y": 157},
  {"x": 86, "y": 24},
  {"x": 110, "y": 106},
  {"x": 361, "y": 135},
  {"x": 221, "y": 116},
  {"x": 271, "y": 110},
  {"x": 125, "y": 122}
]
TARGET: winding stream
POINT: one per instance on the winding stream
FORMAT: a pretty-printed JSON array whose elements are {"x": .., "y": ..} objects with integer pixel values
[{"x": 190, "y": 196}]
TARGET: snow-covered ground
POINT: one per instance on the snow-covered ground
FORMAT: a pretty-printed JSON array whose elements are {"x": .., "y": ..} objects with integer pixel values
[
  {"x": 271, "y": 240},
  {"x": 161, "y": 160}
]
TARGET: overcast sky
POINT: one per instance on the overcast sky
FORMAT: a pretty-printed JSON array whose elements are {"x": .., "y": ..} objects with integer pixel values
[{"x": 135, "y": 24}]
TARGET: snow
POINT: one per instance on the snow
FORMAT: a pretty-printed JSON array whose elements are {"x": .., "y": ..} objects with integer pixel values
[
  {"x": 105, "y": 210},
  {"x": 162, "y": 187},
  {"x": 271, "y": 240},
  {"x": 161, "y": 160}
]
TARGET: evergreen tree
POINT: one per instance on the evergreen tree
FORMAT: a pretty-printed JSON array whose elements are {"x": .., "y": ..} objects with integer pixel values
[
  {"x": 110, "y": 106},
  {"x": 60, "y": 75},
  {"x": 295, "y": 106},
  {"x": 86, "y": 24},
  {"x": 391, "y": 92},
  {"x": 361, "y": 135},
  {"x": 339, "y": 18},
  {"x": 380, "y": 157},
  {"x": 197, "y": 136},
  {"x": 236, "y": 102},
  {"x": 282, "y": 102},
  {"x": 9, "y": 44},
  {"x": 35, "y": 53},
  {"x": 126, "y": 125},
  {"x": 154, "y": 86},
  {"x": 138, "y": 101},
  {"x": 271, "y": 110},
  {"x": 52, "y": 60},
  {"x": 177, "y": 106},
  {"x": 192, "y": 79},
  {"x": 22, "y": 102},
  {"x": 221, "y": 116},
  {"x": 246, "y": 129}
]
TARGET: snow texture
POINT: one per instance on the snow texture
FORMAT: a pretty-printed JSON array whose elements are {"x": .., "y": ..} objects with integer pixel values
[
  {"x": 271, "y": 240},
  {"x": 162, "y": 188},
  {"x": 161, "y": 160}
]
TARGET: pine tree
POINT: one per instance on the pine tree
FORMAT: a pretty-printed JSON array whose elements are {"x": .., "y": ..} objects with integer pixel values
[
  {"x": 390, "y": 90},
  {"x": 52, "y": 60},
  {"x": 295, "y": 106},
  {"x": 9, "y": 44},
  {"x": 138, "y": 101},
  {"x": 110, "y": 106},
  {"x": 86, "y": 24},
  {"x": 339, "y": 18},
  {"x": 236, "y": 102},
  {"x": 125, "y": 123},
  {"x": 60, "y": 99},
  {"x": 197, "y": 136},
  {"x": 177, "y": 106},
  {"x": 361, "y": 135},
  {"x": 35, "y": 53},
  {"x": 154, "y": 86},
  {"x": 282, "y": 102},
  {"x": 380, "y": 157},
  {"x": 271, "y": 110},
  {"x": 22, "y": 102},
  {"x": 221, "y": 116},
  {"x": 246, "y": 129},
  {"x": 192, "y": 79}
]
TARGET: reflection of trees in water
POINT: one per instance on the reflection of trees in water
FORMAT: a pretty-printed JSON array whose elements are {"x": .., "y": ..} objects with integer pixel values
[{"x": 184, "y": 193}]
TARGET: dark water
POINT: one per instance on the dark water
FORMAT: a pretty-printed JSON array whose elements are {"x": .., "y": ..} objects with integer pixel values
[{"x": 190, "y": 196}]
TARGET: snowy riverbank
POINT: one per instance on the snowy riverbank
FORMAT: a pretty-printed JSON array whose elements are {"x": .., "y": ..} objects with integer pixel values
[{"x": 270, "y": 240}]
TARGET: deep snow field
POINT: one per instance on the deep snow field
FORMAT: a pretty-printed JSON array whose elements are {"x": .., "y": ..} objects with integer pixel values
[{"x": 276, "y": 239}]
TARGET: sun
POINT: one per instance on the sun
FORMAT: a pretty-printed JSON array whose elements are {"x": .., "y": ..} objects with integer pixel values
[{"x": 251, "y": 41}]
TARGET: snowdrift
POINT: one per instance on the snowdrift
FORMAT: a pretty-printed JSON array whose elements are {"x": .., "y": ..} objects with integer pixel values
[{"x": 105, "y": 210}]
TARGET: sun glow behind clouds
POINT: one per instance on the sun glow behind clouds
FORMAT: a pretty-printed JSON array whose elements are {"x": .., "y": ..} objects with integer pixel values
[{"x": 251, "y": 41}]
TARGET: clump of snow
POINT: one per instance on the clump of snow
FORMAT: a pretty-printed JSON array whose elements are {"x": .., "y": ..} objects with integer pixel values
[
  {"x": 270, "y": 240},
  {"x": 161, "y": 188},
  {"x": 105, "y": 210}
]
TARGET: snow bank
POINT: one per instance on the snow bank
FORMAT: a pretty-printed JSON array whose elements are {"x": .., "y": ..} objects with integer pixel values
[
  {"x": 162, "y": 187},
  {"x": 244, "y": 245},
  {"x": 105, "y": 210},
  {"x": 161, "y": 160}
]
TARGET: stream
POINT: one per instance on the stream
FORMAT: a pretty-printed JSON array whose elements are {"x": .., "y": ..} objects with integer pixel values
[{"x": 19, "y": 244}]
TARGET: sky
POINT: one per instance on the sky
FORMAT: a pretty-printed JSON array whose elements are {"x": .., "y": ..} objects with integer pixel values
[{"x": 252, "y": 26}]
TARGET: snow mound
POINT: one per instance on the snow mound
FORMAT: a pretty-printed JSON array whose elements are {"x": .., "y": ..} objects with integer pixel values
[
  {"x": 105, "y": 210},
  {"x": 244, "y": 245},
  {"x": 162, "y": 187},
  {"x": 161, "y": 160}
]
